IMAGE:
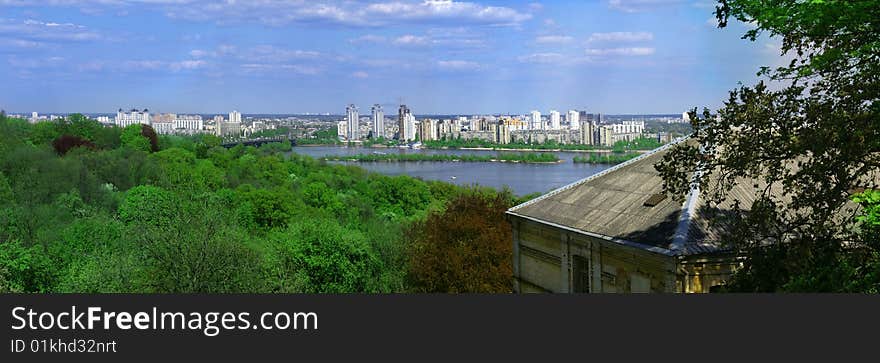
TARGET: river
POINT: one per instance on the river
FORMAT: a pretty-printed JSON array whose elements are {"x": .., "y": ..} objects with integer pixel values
[{"x": 521, "y": 178}]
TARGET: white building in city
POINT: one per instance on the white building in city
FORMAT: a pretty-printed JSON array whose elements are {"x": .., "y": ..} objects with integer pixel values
[
  {"x": 535, "y": 121},
  {"x": 189, "y": 123},
  {"x": 406, "y": 124},
  {"x": 223, "y": 128},
  {"x": 573, "y": 119},
  {"x": 378, "y": 118},
  {"x": 629, "y": 127},
  {"x": 341, "y": 129},
  {"x": 132, "y": 117},
  {"x": 555, "y": 122},
  {"x": 234, "y": 117},
  {"x": 352, "y": 117}
]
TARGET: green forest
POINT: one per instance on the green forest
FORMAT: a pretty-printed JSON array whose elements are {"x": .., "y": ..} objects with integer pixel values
[{"x": 87, "y": 208}]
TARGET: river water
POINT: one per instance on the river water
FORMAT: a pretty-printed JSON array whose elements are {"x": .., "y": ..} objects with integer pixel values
[{"x": 521, "y": 178}]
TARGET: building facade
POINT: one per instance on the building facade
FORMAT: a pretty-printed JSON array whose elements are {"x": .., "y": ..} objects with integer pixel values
[
  {"x": 555, "y": 122},
  {"x": 406, "y": 124},
  {"x": 352, "y": 130},
  {"x": 573, "y": 119},
  {"x": 616, "y": 231},
  {"x": 535, "y": 121},
  {"x": 378, "y": 121},
  {"x": 132, "y": 117}
]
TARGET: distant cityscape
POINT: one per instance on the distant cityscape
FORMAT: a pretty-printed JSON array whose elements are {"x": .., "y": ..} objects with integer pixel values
[{"x": 572, "y": 127}]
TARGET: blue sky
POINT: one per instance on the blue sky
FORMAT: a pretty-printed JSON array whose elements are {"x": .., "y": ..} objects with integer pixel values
[{"x": 440, "y": 56}]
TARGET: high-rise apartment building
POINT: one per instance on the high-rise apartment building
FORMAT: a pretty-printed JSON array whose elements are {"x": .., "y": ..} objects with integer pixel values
[
  {"x": 406, "y": 124},
  {"x": 235, "y": 117},
  {"x": 502, "y": 132},
  {"x": 231, "y": 128},
  {"x": 352, "y": 118},
  {"x": 587, "y": 133},
  {"x": 606, "y": 136},
  {"x": 378, "y": 118},
  {"x": 428, "y": 130},
  {"x": 555, "y": 123},
  {"x": 573, "y": 119},
  {"x": 341, "y": 129},
  {"x": 218, "y": 125},
  {"x": 535, "y": 121}
]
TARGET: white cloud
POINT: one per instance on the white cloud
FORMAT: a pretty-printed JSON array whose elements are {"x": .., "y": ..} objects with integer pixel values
[
  {"x": 632, "y": 6},
  {"x": 36, "y": 31},
  {"x": 449, "y": 10},
  {"x": 281, "y": 12},
  {"x": 636, "y": 51},
  {"x": 142, "y": 65},
  {"x": 187, "y": 65},
  {"x": 368, "y": 38},
  {"x": 542, "y": 58},
  {"x": 458, "y": 65},
  {"x": 360, "y": 74},
  {"x": 280, "y": 69},
  {"x": 34, "y": 63},
  {"x": 198, "y": 53},
  {"x": 621, "y": 37},
  {"x": 270, "y": 53},
  {"x": 553, "y": 39},
  {"x": 411, "y": 40}
]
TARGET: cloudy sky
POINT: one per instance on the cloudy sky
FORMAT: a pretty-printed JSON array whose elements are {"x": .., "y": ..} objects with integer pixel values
[{"x": 438, "y": 56}]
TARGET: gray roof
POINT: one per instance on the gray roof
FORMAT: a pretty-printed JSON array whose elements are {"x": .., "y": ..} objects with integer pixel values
[{"x": 612, "y": 204}]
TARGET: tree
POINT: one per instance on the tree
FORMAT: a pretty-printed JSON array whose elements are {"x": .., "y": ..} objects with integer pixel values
[
  {"x": 319, "y": 256},
  {"x": 809, "y": 145},
  {"x": 465, "y": 248},
  {"x": 140, "y": 137},
  {"x": 64, "y": 143}
]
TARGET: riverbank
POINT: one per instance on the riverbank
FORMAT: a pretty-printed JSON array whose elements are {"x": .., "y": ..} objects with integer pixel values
[{"x": 531, "y": 158}]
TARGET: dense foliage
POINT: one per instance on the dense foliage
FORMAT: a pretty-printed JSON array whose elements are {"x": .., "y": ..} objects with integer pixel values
[
  {"x": 321, "y": 137},
  {"x": 809, "y": 140},
  {"x": 189, "y": 215},
  {"x": 465, "y": 248}
]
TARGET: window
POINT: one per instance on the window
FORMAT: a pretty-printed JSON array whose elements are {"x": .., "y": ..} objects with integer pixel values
[
  {"x": 639, "y": 284},
  {"x": 581, "y": 274}
]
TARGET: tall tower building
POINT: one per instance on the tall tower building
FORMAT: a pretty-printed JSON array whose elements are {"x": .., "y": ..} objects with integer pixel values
[
  {"x": 218, "y": 125},
  {"x": 378, "y": 121},
  {"x": 535, "y": 121},
  {"x": 351, "y": 117},
  {"x": 587, "y": 132},
  {"x": 235, "y": 117},
  {"x": 555, "y": 123},
  {"x": 573, "y": 119},
  {"x": 406, "y": 124}
]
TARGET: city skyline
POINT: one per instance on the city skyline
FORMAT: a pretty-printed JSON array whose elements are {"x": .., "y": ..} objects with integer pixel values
[{"x": 440, "y": 57}]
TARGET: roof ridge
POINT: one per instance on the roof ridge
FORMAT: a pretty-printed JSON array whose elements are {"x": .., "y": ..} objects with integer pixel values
[{"x": 599, "y": 174}]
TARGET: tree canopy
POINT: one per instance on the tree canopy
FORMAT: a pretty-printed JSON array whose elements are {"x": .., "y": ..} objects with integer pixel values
[{"x": 808, "y": 136}]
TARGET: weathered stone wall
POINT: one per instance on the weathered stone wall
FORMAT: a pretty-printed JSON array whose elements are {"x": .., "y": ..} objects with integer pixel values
[{"x": 549, "y": 259}]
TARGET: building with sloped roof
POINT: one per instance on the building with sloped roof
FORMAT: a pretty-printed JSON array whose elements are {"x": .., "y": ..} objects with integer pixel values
[{"x": 616, "y": 231}]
